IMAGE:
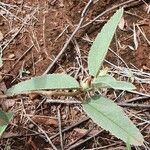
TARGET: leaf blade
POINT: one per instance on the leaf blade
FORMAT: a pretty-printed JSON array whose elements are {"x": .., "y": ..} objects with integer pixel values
[
  {"x": 111, "y": 82},
  {"x": 4, "y": 120},
  {"x": 49, "y": 81},
  {"x": 101, "y": 44},
  {"x": 111, "y": 117}
]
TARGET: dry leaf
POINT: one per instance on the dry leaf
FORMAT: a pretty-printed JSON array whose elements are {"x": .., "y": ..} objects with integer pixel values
[{"x": 45, "y": 120}]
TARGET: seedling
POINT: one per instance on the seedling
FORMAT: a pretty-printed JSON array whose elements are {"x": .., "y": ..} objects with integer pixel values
[{"x": 101, "y": 110}]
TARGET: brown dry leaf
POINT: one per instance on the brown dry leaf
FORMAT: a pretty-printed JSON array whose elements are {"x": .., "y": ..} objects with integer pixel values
[
  {"x": 1, "y": 36},
  {"x": 45, "y": 120},
  {"x": 121, "y": 23}
]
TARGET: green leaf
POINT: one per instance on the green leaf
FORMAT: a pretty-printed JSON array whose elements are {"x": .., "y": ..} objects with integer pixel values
[
  {"x": 101, "y": 44},
  {"x": 4, "y": 120},
  {"x": 111, "y": 117},
  {"x": 128, "y": 146},
  {"x": 111, "y": 82},
  {"x": 45, "y": 82}
]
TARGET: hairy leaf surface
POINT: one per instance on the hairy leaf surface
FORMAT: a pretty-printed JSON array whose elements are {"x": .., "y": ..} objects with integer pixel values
[
  {"x": 45, "y": 82},
  {"x": 110, "y": 82},
  {"x": 101, "y": 44},
  {"x": 111, "y": 117}
]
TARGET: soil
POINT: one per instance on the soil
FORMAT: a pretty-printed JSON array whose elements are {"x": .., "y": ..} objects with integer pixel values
[{"x": 37, "y": 31}]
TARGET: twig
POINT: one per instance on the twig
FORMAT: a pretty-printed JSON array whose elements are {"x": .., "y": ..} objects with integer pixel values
[
  {"x": 105, "y": 147},
  {"x": 13, "y": 37},
  {"x": 69, "y": 40},
  {"x": 70, "y": 127},
  {"x": 60, "y": 129},
  {"x": 134, "y": 105},
  {"x": 79, "y": 59},
  {"x": 140, "y": 98},
  {"x": 55, "y": 93},
  {"x": 129, "y": 13},
  {"x": 44, "y": 42},
  {"x": 9, "y": 5},
  {"x": 49, "y": 140},
  {"x": 22, "y": 56},
  {"x": 78, "y": 139},
  {"x": 61, "y": 33},
  {"x": 118, "y": 57},
  {"x": 108, "y": 10},
  {"x": 143, "y": 34},
  {"x": 139, "y": 93},
  {"x": 82, "y": 142},
  {"x": 139, "y": 118},
  {"x": 59, "y": 101},
  {"x": 27, "y": 19},
  {"x": 18, "y": 135},
  {"x": 46, "y": 93},
  {"x": 10, "y": 13}
]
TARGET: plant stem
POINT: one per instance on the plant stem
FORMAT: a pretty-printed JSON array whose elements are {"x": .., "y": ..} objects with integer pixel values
[{"x": 55, "y": 93}]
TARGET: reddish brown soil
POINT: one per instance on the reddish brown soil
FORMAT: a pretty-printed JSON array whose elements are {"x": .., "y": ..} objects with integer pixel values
[{"x": 43, "y": 32}]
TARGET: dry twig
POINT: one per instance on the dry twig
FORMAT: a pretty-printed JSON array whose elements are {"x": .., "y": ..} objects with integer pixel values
[{"x": 70, "y": 38}]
